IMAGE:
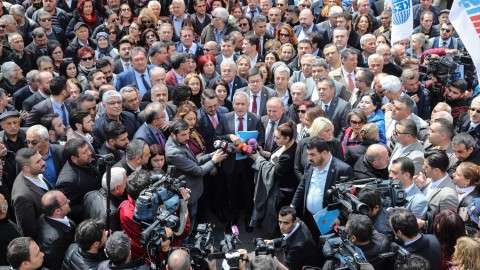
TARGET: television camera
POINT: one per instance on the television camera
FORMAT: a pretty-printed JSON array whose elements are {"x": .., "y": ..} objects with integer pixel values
[{"x": 341, "y": 253}]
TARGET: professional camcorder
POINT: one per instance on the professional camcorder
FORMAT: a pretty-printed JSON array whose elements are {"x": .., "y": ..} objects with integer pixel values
[
  {"x": 341, "y": 253},
  {"x": 262, "y": 248},
  {"x": 202, "y": 246},
  {"x": 156, "y": 209},
  {"x": 343, "y": 195}
]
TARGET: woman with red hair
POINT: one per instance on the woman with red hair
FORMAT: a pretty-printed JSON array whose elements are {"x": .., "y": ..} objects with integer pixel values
[
  {"x": 85, "y": 13},
  {"x": 285, "y": 34},
  {"x": 206, "y": 69}
]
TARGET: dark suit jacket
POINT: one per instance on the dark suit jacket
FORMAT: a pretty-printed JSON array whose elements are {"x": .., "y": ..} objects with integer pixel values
[
  {"x": 237, "y": 84},
  {"x": 228, "y": 127},
  {"x": 26, "y": 201},
  {"x": 300, "y": 248},
  {"x": 117, "y": 66},
  {"x": 127, "y": 78},
  {"x": 21, "y": 95},
  {"x": 265, "y": 122},
  {"x": 337, "y": 169},
  {"x": 58, "y": 157},
  {"x": 54, "y": 238},
  {"x": 429, "y": 248},
  {"x": 39, "y": 110},
  {"x": 298, "y": 29},
  {"x": 337, "y": 113},
  {"x": 145, "y": 134},
  {"x": 219, "y": 60},
  {"x": 284, "y": 173},
  {"x": 205, "y": 128},
  {"x": 464, "y": 125},
  {"x": 198, "y": 51},
  {"x": 265, "y": 95},
  {"x": 32, "y": 101}
]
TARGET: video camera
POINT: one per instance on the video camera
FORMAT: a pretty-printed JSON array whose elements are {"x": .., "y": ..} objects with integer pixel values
[
  {"x": 398, "y": 253},
  {"x": 155, "y": 233},
  {"x": 202, "y": 246},
  {"x": 341, "y": 253},
  {"x": 229, "y": 148},
  {"x": 262, "y": 248}
]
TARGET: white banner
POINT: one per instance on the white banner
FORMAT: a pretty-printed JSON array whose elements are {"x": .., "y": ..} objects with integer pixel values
[
  {"x": 465, "y": 18},
  {"x": 402, "y": 20}
]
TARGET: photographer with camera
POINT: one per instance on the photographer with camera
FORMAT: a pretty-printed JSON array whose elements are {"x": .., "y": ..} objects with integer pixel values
[
  {"x": 136, "y": 183},
  {"x": 376, "y": 212},
  {"x": 297, "y": 241},
  {"x": 179, "y": 155},
  {"x": 372, "y": 243},
  {"x": 405, "y": 227}
]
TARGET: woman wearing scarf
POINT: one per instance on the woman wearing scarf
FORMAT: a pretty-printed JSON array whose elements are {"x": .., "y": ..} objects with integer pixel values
[{"x": 104, "y": 48}]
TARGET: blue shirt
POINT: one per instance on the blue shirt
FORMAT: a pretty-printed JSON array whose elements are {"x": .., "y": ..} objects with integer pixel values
[
  {"x": 57, "y": 108},
  {"x": 50, "y": 174},
  {"x": 138, "y": 78},
  {"x": 316, "y": 189},
  {"x": 177, "y": 25},
  {"x": 218, "y": 35}
]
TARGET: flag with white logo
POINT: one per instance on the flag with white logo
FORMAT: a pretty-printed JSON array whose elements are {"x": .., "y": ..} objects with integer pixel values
[
  {"x": 465, "y": 18},
  {"x": 402, "y": 20}
]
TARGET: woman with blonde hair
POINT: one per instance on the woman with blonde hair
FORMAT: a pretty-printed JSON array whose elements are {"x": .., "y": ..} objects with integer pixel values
[
  {"x": 243, "y": 66},
  {"x": 286, "y": 53},
  {"x": 194, "y": 81},
  {"x": 467, "y": 254},
  {"x": 187, "y": 111},
  {"x": 323, "y": 128}
]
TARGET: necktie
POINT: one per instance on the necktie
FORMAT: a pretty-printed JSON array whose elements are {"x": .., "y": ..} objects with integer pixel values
[
  {"x": 326, "y": 108},
  {"x": 270, "y": 136},
  {"x": 64, "y": 116},
  {"x": 145, "y": 83},
  {"x": 351, "y": 85},
  {"x": 254, "y": 104},
  {"x": 160, "y": 138},
  {"x": 240, "y": 123},
  {"x": 444, "y": 44},
  {"x": 214, "y": 122},
  {"x": 252, "y": 14}
]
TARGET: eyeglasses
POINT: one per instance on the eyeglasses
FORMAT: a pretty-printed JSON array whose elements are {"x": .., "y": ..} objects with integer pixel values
[
  {"x": 147, "y": 22},
  {"x": 87, "y": 58},
  {"x": 400, "y": 133},
  {"x": 301, "y": 111},
  {"x": 207, "y": 49},
  {"x": 243, "y": 24},
  {"x": 2, "y": 26},
  {"x": 304, "y": 6},
  {"x": 33, "y": 142},
  {"x": 445, "y": 30},
  {"x": 353, "y": 122},
  {"x": 45, "y": 19},
  {"x": 125, "y": 9},
  {"x": 284, "y": 35},
  {"x": 475, "y": 110}
]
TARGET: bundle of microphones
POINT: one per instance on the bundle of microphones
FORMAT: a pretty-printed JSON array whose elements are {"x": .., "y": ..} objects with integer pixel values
[{"x": 247, "y": 148}]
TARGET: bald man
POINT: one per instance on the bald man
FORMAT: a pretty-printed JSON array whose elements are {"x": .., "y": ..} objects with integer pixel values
[
  {"x": 306, "y": 24},
  {"x": 179, "y": 260},
  {"x": 275, "y": 116},
  {"x": 374, "y": 164}
]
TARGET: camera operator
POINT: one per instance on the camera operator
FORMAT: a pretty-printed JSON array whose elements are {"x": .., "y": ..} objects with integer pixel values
[
  {"x": 179, "y": 155},
  {"x": 137, "y": 182},
  {"x": 376, "y": 212},
  {"x": 403, "y": 170},
  {"x": 372, "y": 243},
  {"x": 118, "y": 250},
  {"x": 297, "y": 241},
  {"x": 405, "y": 228}
]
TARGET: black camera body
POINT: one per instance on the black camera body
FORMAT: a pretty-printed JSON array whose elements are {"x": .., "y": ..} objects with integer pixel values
[
  {"x": 262, "y": 248},
  {"x": 391, "y": 192},
  {"x": 341, "y": 253},
  {"x": 155, "y": 233},
  {"x": 202, "y": 246}
]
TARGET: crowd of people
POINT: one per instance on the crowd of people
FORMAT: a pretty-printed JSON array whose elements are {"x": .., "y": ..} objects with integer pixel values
[{"x": 144, "y": 85}]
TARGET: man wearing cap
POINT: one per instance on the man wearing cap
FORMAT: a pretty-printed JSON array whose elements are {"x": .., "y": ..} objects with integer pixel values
[
  {"x": 112, "y": 101},
  {"x": 80, "y": 40},
  {"x": 60, "y": 18},
  {"x": 13, "y": 138}
]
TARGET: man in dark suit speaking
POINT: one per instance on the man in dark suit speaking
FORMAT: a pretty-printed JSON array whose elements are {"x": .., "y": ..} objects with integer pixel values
[{"x": 322, "y": 172}]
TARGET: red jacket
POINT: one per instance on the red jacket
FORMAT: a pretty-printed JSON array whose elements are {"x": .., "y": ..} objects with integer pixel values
[{"x": 134, "y": 230}]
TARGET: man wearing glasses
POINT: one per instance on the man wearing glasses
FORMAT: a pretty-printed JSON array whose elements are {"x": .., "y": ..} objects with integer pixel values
[
  {"x": 470, "y": 123},
  {"x": 407, "y": 144},
  {"x": 446, "y": 39}
]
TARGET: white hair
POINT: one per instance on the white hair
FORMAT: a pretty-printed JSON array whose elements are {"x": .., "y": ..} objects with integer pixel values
[
  {"x": 38, "y": 130},
  {"x": 365, "y": 38},
  {"x": 282, "y": 69},
  {"x": 374, "y": 57},
  {"x": 391, "y": 84},
  {"x": 8, "y": 69},
  {"x": 109, "y": 94},
  {"x": 299, "y": 85},
  {"x": 117, "y": 179},
  {"x": 443, "y": 114},
  {"x": 229, "y": 62},
  {"x": 241, "y": 93},
  {"x": 221, "y": 13}
]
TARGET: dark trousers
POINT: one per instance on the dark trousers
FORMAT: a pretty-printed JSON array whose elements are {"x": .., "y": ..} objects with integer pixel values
[{"x": 240, "y": 190}]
